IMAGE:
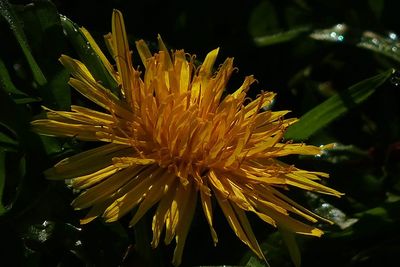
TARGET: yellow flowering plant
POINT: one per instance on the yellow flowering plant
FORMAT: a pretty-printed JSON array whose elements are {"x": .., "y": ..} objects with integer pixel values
[{"x": 172, "y": 139}]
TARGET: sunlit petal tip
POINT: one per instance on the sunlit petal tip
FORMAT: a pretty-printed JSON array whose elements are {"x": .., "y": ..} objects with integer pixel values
[
  {"x": 63, "y": 57},
  {"x": 86, "y": 221},
  {"x": 328, "y": 146},
  {"x": 144, "y": 51},
  {"x": 316, "y": 232},
  {"x": 116, "y": 12}
]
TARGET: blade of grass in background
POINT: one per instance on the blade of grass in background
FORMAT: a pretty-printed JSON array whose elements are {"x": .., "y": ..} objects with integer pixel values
[
  {"x": 335, "y": 106},
  {"x": 388, "y": 46},
  {"x": 9, "y": 15},
  {"x": 340, "y": 33},
  {"x": 281, "y": 37}
]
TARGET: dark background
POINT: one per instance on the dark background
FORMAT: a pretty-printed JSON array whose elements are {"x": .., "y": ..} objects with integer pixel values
[{"x": 40, "y": 228}]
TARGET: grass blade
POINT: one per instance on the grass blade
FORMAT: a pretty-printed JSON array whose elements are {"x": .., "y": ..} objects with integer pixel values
[{"x": 335, "y": 106}]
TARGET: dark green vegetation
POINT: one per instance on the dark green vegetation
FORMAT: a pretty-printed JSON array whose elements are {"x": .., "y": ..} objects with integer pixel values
[{"x": 342, "y": 78}]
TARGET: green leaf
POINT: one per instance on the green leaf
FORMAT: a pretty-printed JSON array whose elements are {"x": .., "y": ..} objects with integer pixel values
[
  {"x": 10, "y": 16},
  {"x": 334, "y": 107},
  {"x": 263, "y": 19},
  {"x": 5, "y": 81},
  {"x": 281, "y": 37},
  {"x": 8, "y": 140},
  {"x": 42, "y": 23},
  {"x": 7, "y": 85},
  {"x": 291, "y": 244},
  {"x": 88, "y": 55}
]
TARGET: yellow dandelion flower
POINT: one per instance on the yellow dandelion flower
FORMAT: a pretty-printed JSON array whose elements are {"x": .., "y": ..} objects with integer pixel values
[{"x": 171, "y": 137}]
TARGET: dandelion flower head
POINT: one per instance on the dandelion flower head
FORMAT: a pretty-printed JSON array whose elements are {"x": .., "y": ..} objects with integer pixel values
[{"x": 173, "y": 139}]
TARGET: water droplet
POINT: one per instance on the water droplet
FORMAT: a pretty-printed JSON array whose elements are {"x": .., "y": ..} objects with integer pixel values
[
  {"x": 17, "y": 67},
  {"x": 375, "y": 41},
  {"x": 395, "y": 78},
  {"x": 63, "y": 17},
  {"x": 41, "y": 232},
  {"x": 335, "y": 34},
  {"x": 330, "y": 212},
  {"x": 393, "y": 36},
  {"x": 340, "y": 26}
]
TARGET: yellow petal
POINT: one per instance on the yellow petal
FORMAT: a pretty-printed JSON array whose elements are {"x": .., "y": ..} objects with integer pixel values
[
  {"x": 156, "y": 192},
  {"x": 86, "y": 162},
  {"x": 79, "y": 131},
  {"x": 132, "y": 193},
  {"x": 144, "y": 51},
  {"x": 177, "y": 206},
  {"x": 300, "y": 181},
  {"x": 129, "y": 161},
  {"x": 208, "y": 63},
  {"x": 248, "y": 231},
  {"x": 207, "y": 209},
  {"x": 123, "y": 54},
  {"x": 185, "y": 219},
  {"x": 98, "y": 52},
  {"x": 161, "y": 214},
  {"x": 95, "y": 211},
  {"x": 98, "y": 117},
  {"x": 294, "y": 225},
  {"x": 236, "y": 225},
  {"x": 85, "y": 181},
  {"x": 163, "y": 48},
  {"x": 245, "y": 86},
  {"x": 106, "y": 188}
]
